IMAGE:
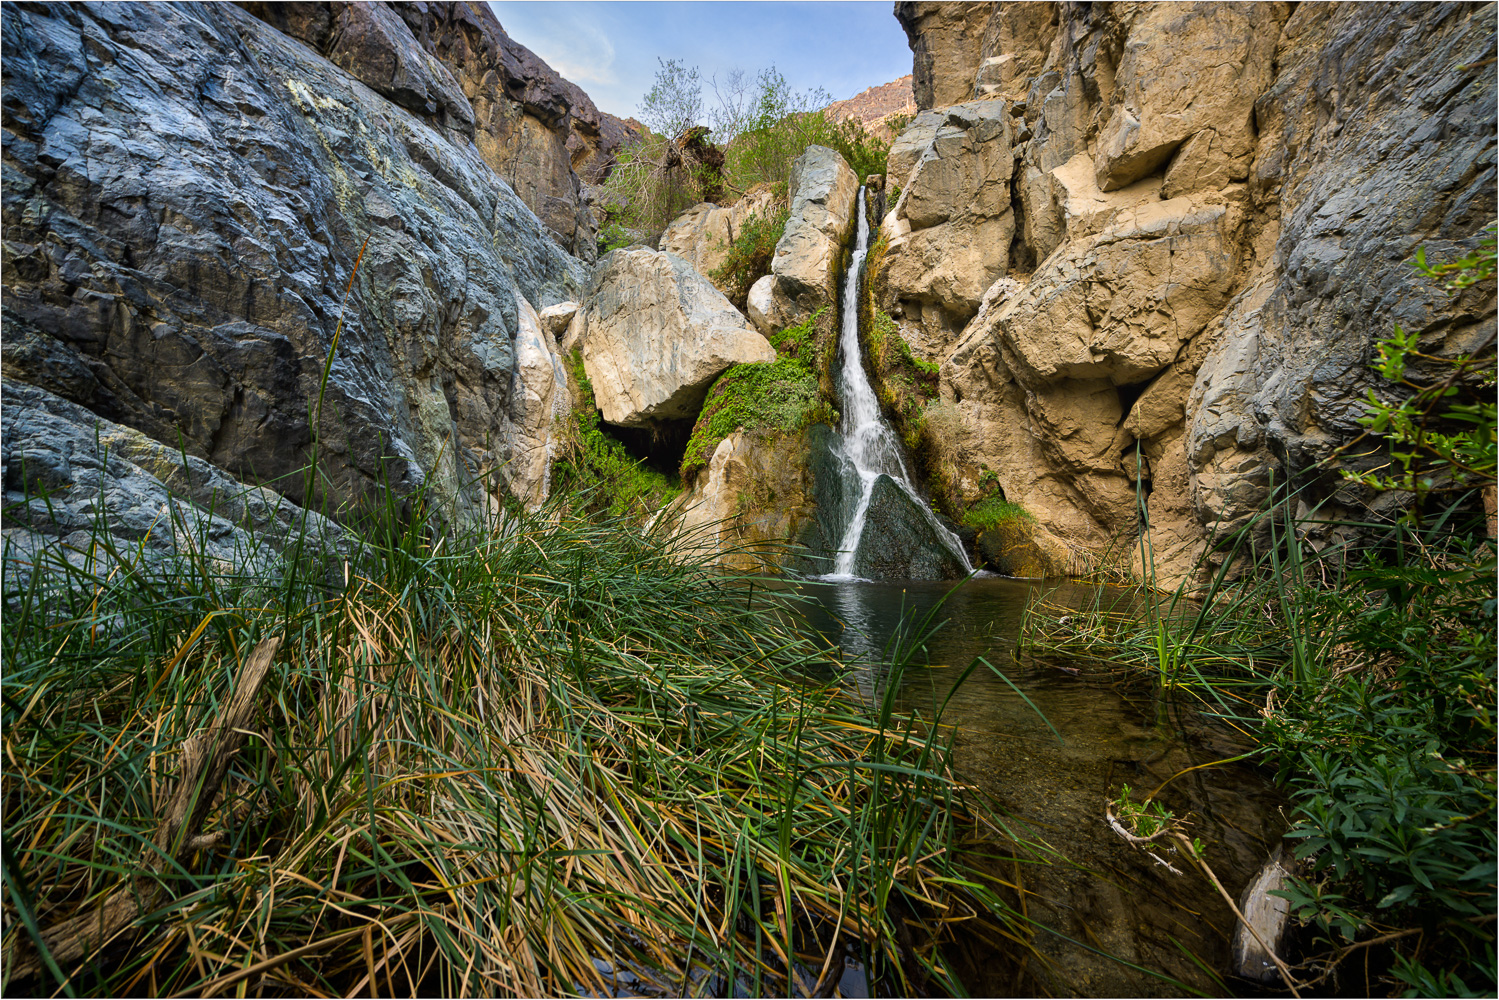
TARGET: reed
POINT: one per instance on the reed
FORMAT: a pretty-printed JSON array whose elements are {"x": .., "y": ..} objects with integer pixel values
[
  {"x": 1359, "y": 660},
  {"x": 542, "y": 757}
]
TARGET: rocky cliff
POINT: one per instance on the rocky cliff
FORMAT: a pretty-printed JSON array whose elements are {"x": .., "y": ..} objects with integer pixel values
[
  {"x": 1153, "y": 244},
  {"x": 218, "y": 237},
  {"x": 453, "y": 63}
]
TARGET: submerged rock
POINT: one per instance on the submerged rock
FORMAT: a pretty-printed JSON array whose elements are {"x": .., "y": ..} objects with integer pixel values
[
  {"x": 1268, "y": 915},
  {"x": 899, "y": 542}
]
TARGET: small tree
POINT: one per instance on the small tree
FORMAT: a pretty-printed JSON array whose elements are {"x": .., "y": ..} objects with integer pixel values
[{"x": 675, "y": 101}]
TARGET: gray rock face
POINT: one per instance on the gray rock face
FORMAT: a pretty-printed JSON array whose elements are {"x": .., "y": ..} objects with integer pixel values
[
  {"x": 1360, "y": 171},
  {"x": 453, "y": 64},
  {"x": 898, "y": 542},
  {"x": 824, "y": 191},
  {"x": 655, "y": 334},
  {"x": 187, "y": 192},
  {"x": 92, "y": 492}
]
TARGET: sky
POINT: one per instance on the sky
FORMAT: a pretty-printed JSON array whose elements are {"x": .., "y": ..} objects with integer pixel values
[{"x": 610, "y": 49}]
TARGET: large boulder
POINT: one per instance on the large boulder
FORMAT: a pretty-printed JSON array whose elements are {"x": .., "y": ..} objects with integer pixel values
[
  {"x": 193, "y": 279},
  {"x": 899, "y": 541},
  {"x": 654, "y": 334},
  {"x": 824, "y": 192},
  {"x": 949, "y": 233},
  {"x": 753, "y": 501}
]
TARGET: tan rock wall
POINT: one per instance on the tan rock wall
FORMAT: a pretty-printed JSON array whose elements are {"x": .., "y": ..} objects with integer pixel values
[{"x": 1212, "y": 208}]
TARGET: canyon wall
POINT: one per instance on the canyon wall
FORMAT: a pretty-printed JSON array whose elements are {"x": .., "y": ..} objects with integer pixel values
[
  {"x": 1153, "y": 245},
  {"x": 217, "y": 237}
]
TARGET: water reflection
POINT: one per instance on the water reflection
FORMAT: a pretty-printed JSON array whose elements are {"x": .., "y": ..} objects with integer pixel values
[{"x": 1109, "y": 731}]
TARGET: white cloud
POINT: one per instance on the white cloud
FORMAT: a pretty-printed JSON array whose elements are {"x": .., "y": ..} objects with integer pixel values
[{"x": 580, "y": 51}]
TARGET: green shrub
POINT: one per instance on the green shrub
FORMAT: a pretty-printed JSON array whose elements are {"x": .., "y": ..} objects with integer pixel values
[
  {"x": 772, "y": 398},
  {"x": 760, "y": 127},
  {"x": 599, "y": 469},
  {"x": 749, "y": 255},
  {"x": 799, "y": 341},
  {"x": 993, "y": 512}
]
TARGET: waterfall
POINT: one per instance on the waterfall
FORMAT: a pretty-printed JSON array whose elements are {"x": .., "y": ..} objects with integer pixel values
[{"x": 869, "y": 447}]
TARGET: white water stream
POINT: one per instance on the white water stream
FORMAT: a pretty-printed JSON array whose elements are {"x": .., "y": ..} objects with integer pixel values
[{"x": 869, "y": 447}]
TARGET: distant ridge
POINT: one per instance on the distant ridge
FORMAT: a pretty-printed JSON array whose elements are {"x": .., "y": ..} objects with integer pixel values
[{"x": 877, "y": 105}]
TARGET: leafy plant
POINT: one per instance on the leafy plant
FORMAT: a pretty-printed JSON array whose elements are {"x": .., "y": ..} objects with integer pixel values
[
  {"x": 1441, "y": 432},
  {"x": 750, "y": 254},
  {"x": 599, "y": 469}
]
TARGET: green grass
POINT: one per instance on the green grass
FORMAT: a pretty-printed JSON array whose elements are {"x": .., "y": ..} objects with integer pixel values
[
  {"x": 599, "y": 469},
  {"x": 993, "y": 512},
  {"x": 481, "y": 763}
]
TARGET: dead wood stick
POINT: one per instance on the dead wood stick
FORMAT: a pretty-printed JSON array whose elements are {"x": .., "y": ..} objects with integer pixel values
[{"x": 205, "y": 761}]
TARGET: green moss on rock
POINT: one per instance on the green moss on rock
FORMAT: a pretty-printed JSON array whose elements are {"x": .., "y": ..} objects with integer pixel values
[{"x": 769, "y": 398}]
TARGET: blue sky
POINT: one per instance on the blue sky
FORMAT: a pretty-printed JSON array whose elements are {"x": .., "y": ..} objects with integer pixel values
[{"x": 610, "y": 49}]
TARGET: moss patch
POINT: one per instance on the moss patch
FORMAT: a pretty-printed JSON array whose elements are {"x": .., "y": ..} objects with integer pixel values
[
  {"x": 600, "y": 468},
  {"x": 994, "y": 512},
  {"x": 767, "y": 397}
]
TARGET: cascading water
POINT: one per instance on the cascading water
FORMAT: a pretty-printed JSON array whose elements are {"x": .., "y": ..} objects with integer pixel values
[{"x": 869, "y": 448}]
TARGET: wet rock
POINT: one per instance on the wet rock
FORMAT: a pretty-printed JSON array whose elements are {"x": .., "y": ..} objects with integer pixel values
[
  {"x": 655, "y": 334},
  {"x": 1269, "y": 916},
  {"x": 899, "y": 542}
]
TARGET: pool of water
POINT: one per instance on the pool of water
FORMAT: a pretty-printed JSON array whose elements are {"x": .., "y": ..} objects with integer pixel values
[{"x": 1052, "y": 749}]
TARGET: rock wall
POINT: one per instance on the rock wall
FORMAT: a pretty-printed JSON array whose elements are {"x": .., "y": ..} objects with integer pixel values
[
  {"x": 198, "y": 208},
  {"x": 1211, "y": 209},
  {"x": 454, "y": 63}
]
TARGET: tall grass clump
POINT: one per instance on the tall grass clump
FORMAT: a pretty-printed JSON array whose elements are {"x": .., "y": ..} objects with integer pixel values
[
  {"x": 1359, "y": 659},
  {"x": 538, "y": 758}
]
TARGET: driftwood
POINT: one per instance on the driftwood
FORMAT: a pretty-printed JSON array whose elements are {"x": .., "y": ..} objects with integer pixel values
[{"x": 205, "y": 761}]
